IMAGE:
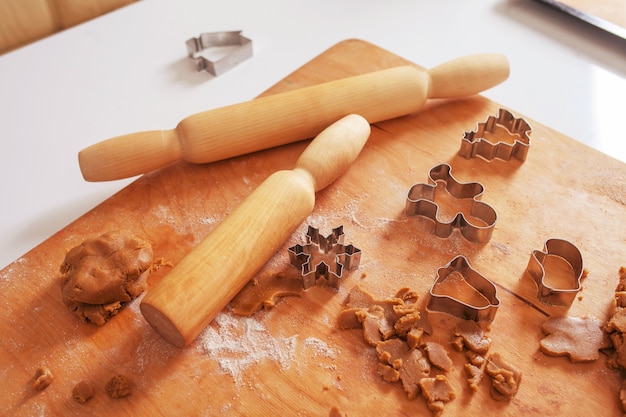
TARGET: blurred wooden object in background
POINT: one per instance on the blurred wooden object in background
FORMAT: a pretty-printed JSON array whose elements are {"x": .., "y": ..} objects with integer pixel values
[{"x": 25, "y": 21}]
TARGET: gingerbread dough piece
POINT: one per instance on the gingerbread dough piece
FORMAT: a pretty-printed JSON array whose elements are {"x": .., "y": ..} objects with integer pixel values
[
  {"x": 505, "y": 378},
  {"x": 578, "y": 338},
  {"x": 43, "y": 378},
  {"x": 101, "y": 274},
  {"x": 438, "y": 356},
  {"x": 471, "y": 336},
  {"x": 118, "y": 387},
  {"x": 411, "y": 365},
  {"x": 265, "y": 292},
  {"x": 437, "y": 391},
  {"x": 82, "y": 392}
]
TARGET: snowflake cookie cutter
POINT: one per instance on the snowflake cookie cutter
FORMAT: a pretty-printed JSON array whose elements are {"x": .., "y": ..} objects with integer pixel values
[
  {"x": 421, "y": 202},
  {"x": 474, "y": 143},
  {"x": 242, "y": 50},
  {"x": 446, "y": 303},
  {"x": 565, "y": 250},
  {"x": 336, "y": 256}
]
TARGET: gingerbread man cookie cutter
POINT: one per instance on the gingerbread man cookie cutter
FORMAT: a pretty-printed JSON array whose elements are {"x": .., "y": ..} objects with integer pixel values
[
  {"x": 421, "y": 202},
  {"x": 565, "y": 250},
  {"x": 474, "y": 143},
  {"x": 337, "y": 256},
  {"x": 487, "y": 300}
]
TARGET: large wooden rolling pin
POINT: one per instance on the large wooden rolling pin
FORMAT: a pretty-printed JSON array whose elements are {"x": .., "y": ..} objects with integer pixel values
[
  {"x": 206, "y": 279},
  {"x": 288, "y": 117}
]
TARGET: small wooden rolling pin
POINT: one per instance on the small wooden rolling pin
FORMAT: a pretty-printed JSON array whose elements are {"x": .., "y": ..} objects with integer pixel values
[
  {"x": 288, "y": 117},
  {"x": 190, "y": 296}
]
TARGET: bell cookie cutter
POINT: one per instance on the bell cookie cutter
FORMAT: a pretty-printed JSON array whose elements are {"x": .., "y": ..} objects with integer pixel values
[
  {"x": 474, "y": 143},
  {"x": 421, "y": 202},
  {"x": 569, "y": 253},
  {"x": 446, "y": 303},
  {"x": 219, "y": 66},
  {"x": 337, "y": 256}
]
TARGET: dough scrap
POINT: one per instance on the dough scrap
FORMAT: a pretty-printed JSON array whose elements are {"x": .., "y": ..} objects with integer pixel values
[
  {"x": 578, "y": 338},
  {"x": 616, "y": 329},
  {"x": 471, "y": 336},
  {"x": 395, "y": 327},
  {"x": 438, "y": 356},
  {"x": 82, "y": 392},
  {"x": 43, "y": 378},
  {"x": 505, "y": 377},
  {"x": 411, "y": 365},
  {"x": 118, "y": 387},
  {"x": 382, "y": 319},
  {"x": 437, "y": 391},
  {"x": 375, "y": 326},
  {"x": 265, "y": 292},
  {"x": 474, "y": 376},
  {"x": 334, "y": 412},
  {"x": 102, "y": 273}
]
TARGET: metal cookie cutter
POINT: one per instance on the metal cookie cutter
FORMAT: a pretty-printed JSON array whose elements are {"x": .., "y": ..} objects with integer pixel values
[
  {"x": 570, "y": 254},
  {"x": 219, "y": 66},
  {"x": 333, "y": 253},
  {"x": 421, "y": 202},
  {"x": 474, "y": 142},
  {"x": 446, "y": 303}
]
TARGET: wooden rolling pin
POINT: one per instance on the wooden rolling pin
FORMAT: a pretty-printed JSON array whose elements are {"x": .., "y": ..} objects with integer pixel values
[
  {"x": 204, "y": 281},
  {"x": 288, "y": 117}
]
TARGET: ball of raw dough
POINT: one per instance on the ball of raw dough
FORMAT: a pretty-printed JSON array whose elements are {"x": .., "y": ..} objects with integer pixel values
[{"x": 102, "y": 273}]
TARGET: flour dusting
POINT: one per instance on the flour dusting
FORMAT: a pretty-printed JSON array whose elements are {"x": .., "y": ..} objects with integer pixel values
[
  {"x": 237, "y": 343},
  {"x": 319, "y": 347}
]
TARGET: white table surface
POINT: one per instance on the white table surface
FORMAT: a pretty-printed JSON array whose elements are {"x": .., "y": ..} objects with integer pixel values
[{"x": 128, "y": 71}]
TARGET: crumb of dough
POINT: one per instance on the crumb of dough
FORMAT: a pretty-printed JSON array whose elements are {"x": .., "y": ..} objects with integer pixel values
[
  {"x": 406, "y": 322},
  {"x": 414, "y": 337},
  {"x": 411, "y": 365},
  {"x": 437, "y": 391},
  {"x": 43, "y": 378},
  {"x": 119, "y": 386},
  {"x": 505, "y": 377},
  {"x": 580, "y": 339},
  {"x": 102, "y": 273},
  {"x": 407, "y": 295},
  {"x": 438, "y": 356},
  {"x": 82, "y": 392},
  {"x": 334, "y": 412},
  {"x": 265, "y": 292},
  {"x": 388, "y": 372},
  {"x": 472, "y": 336},
  {"x": 475, "y": 358},
  {"x": 474, "y": 376}
]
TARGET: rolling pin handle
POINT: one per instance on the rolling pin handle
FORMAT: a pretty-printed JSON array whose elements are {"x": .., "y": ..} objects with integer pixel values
[
  {"x": 109, "y": 160},
  {"x": 467, "y": 75}
]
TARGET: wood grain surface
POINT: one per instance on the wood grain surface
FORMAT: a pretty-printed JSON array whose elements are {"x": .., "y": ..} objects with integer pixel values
[{"x": 293, "y": 360}]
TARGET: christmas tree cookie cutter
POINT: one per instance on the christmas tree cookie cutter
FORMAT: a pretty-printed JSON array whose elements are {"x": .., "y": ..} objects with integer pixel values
[{"x": 474, "y": 143}]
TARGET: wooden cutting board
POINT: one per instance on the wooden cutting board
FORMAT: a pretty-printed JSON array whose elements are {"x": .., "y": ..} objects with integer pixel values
[{"x": 293, "y": 360}]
